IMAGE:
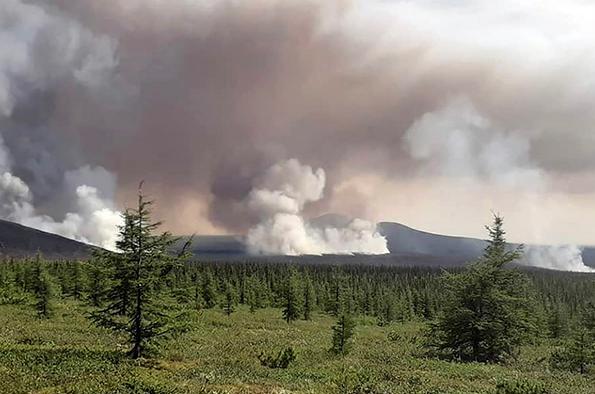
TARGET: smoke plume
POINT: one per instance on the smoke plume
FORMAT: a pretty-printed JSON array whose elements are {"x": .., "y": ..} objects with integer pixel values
[
  {"x": 562, "y": 257},
  {"x": 474, "y": 150},
  {"x": 278, "y": 199},
  {"x": 457, "y": 107},
  {"x": 41, "y": 50}
]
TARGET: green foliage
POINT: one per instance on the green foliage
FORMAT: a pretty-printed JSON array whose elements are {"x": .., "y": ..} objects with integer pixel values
[
  {"x": 557, "y": 323},
  {"x": 343, "y": 332},
  {"x": 309, "y": 299},
  {"x": 521, "y": 387},
  {"x": 229, "y": 300},
  {"x": 97, "y": 280},
  {"x": 43, "y": 289},
  {"x": 209, "y": 292},
  {"x": 137, "y": 271},
  {"x": 488, "y": 312},
  {"x": 292, "y": 298},
  {"x": 355, "y": 381},
  {"x": 144, "y": 386},
  {"x": 66, "y": 355},
  {"x": 578, "y": 352},
  {"x": 281, "y": 360}
]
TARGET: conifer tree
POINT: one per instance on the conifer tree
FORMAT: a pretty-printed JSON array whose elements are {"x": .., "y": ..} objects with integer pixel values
[
  {"x": 488, "y": 313},
  {"x": 251, "y": 294},
  {"x": 142, "y": 261},
  {"x": 97, "y": 283},
  {"x": 579, "y": 352},
  {"x": 43, "y": 289},
  {"x": 292, "y": 299},
  {"x": 342, "y": 334},
  {"x": 557, "y": 322},
  {"x": 309, "y": 298},
  {"x": 229, "y": 300},
  {"x": 117, "y": 269},
  {"x": 198, "y": 300},
  {"x": 209, "y": 291},
  {"x": 76, "y": 280}
]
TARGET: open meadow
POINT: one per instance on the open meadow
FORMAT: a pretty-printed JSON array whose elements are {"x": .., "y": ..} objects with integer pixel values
[{"x": 219, "y": 354}]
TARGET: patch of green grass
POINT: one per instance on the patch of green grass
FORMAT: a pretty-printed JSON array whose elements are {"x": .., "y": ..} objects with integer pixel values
[{"x": 66, "y": 354}]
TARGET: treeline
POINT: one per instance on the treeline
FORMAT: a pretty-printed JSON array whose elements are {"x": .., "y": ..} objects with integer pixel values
[{"x": 389, "y": 294}]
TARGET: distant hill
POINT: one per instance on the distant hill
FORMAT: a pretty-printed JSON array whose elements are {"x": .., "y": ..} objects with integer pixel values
[
  {"x": 407, "y": 246},
  {"x": 22, "y": 241},
  {"x": 404, "y": 240}
]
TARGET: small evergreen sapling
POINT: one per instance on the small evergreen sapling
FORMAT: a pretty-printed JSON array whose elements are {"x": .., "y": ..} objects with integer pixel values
[
  {"x": 229, "y": 300},
  {"x": 282, "y": 360}
]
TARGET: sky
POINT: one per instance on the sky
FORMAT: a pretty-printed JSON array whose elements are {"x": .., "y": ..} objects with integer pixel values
[{"x": 430, "y": 113}]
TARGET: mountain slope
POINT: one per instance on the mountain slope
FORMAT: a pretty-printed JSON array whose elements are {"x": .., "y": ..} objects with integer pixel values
[
  {"x": 404, "y": 240},
  {"x": 22, "y": 241},
  {"x": 407, "y": 246}
]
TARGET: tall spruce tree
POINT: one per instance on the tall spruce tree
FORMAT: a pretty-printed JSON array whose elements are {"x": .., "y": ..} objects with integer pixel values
[
  {"x": 342, "y": 334},
  {"x": 209, "y": 291},
  {"x": 488, "y": 312},
  {"x": 142, "y": 261},
  {"x": 43, "y": 288},
  {"x": 77, "y": 280},
  {"x": 309, "y": 298},
  {"x": 292, "y": 298}
]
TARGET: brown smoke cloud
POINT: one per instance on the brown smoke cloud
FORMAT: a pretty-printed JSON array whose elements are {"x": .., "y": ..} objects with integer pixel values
[{"x": 203, "y": 96}]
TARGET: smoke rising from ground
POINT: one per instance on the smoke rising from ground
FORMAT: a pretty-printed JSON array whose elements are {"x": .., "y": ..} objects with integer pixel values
[
  {"x": 40, "y": 50},
  {"x": 278, "y": 199},
  {"x": 475, "y": 150},
  {"x": 561, "y": 257},
  {"x": 200, "y": 98},
  {"x": 94, "y": 219}
]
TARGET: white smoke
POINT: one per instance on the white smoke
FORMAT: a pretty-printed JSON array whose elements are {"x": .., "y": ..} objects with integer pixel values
[
  {"x": 279, "y": 198},
  {"x": 561, "y": 257},
  {"x": 95, "y": 220},
  {"x": 458, "y": 142},
  {"x": 38, "y": 49}
]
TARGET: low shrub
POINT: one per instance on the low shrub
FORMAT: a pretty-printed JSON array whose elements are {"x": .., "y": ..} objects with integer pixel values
[
  {"x": 521, "y": 387},
  {"x": 281, "y": 360}
]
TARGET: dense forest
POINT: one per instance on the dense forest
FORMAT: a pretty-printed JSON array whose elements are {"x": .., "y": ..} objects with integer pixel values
[{"x": 387, "y": 293}]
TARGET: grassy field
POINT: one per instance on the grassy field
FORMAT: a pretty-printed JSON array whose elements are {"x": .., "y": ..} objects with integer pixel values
[{"x": 65, "y": 354}]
